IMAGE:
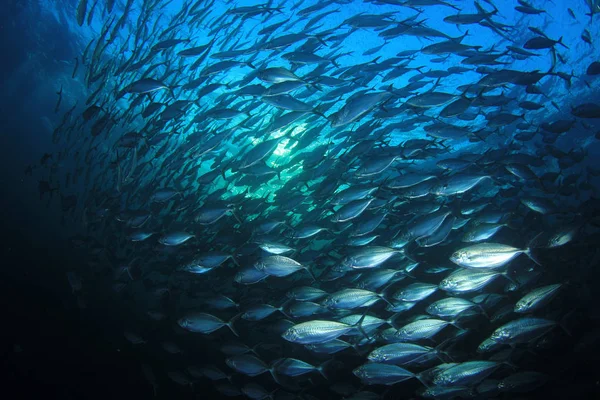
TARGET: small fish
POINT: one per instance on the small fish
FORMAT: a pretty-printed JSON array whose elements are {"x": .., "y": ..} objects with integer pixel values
[
  {"x": 382, "y": 374},
  {"x": 81, "y": 11},
  {"x": 421, "y": 329},
  {"x": 467, "y": 373},
  {"x": 75, "y": 68},
  {"x": 175, "y": 238},
  {"x": 487, "y": 255},
  {"x": 248, "y": 365},
  {"x": 59, "y": 93},
  {"x": 537, "y": 298},
  {"x": 522, "y": 330},
  {"x": 318, "y": 331},
  {"x": 280, "y": 266},
  {"x": 205, "y": 323}
]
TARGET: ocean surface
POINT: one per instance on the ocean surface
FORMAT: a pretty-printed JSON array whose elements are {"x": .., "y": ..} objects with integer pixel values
[{"x": 175, "y": 172}]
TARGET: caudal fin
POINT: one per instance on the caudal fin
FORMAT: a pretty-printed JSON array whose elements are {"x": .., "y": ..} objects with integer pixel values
[
  {"x": 360, "y": 322},
  {"x": 321, "y": 368},
  {"x": 533, "y": 256},
  {"x": 230, "y": 324}
]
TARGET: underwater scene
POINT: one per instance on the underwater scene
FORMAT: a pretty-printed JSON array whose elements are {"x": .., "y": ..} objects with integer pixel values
[{"x": 300, "y": 199}]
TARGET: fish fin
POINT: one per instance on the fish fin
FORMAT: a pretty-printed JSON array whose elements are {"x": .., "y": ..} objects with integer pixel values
[
  {"x": 454, "y": 324},
  {"x": 310, "y": 273},
  {"x": 282, "y": 308},
  {"x": 321, "y": 368},
  {"x": 230, "y": 324},
  {"x": 532, "y": 256},
  {"x": 561, "y": 42},
  {"x": 255, "y": 347},
  {"x": 507, "y": 276},
  {"x": 483, "y": 311},
  {"x": 446, "y": 354},
  {"x": 382, "y": 297},
  {"x": 359, "y": 323},
  {"x": 510, "y": 364},
  {"x": 274, "y": 375},
  {"x": 562, "y": 323},
  {"x": 391, "y": 321},
  {"x": 421, "y": 379},
  {"x": 236, "y": 217}
]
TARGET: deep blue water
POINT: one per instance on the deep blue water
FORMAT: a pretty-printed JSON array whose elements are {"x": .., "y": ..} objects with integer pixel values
[{"x": 54, "y": 348}]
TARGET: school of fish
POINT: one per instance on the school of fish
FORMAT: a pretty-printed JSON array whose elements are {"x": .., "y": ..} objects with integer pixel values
[{"x": 313, "y": 224}]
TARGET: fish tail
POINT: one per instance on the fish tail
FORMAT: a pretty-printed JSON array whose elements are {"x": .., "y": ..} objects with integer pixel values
[
  {"x": 274, "y": 373},
  {"x": 321, "y": 368},
  {"x": 236, "y": 217},
  {"x": 532, "y": 256},
  {"x": 456, "y": 325},
  {"x": 507, "y": 276},
  {"x": 422, "y": 379},
  {"x": 382, "y": 297},
  {"x": 320, "y": 39},
  {"x": 255, "y": 347},
  {"x": 317, "y": 110},
  {"x": 562, "y": 323},
  {"x": 311, "y": 274},
  {"x": 483, "y": 311},
  {"x": 447, "y": 355},
  {"x": 230, "y": 324},
  {"x": 360, "y": 322},
  {"x": 560, "y": 41},
  {"x": 282, "y": 308},
  {"x": 510, "y": 364}
]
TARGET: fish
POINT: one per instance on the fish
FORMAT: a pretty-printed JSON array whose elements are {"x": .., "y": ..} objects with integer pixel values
[
  {"x": 175, "y": 238},
  {"x": 487, "y": 255},
  {"x": 522, "y": 381},
  {"x": 279, "y": 266},
  {"x": 421, "y": 329},
  {"x": 468, "y": 373},
  {"x": 451, "y": 307},
  {"x": 283, "y": 170},
  {"x": 537, "y": 298},
  {"x": 415, "y": 292},
  {"x": 248, "y": 365},
  {"x": 316, "y": 331},
  {"x": 59, "y": 93},
  {"x": 356, "y": 108},
  {"x": 542, "y": 42},
  {"x": 295, "y": 367},
  {"x": 205, "y": 323},
  {"x": 349, "y": 299},
  {"x": 146, "y": 85},
  {"x": 382, "y": 374},
  {"x": 369, "y": 257},
  {"x": 400, "y": 353},
  {"x": 81, "y": 11},
  {"x": 522, "y": 330},
  {"x": 467, "y": 280}
]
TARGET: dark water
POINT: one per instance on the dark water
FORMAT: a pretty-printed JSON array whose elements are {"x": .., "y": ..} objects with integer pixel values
[{"x": 52, "y": 347}]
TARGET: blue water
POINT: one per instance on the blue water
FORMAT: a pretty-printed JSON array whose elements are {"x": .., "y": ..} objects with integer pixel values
[{"x": 54, "y": 346}]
